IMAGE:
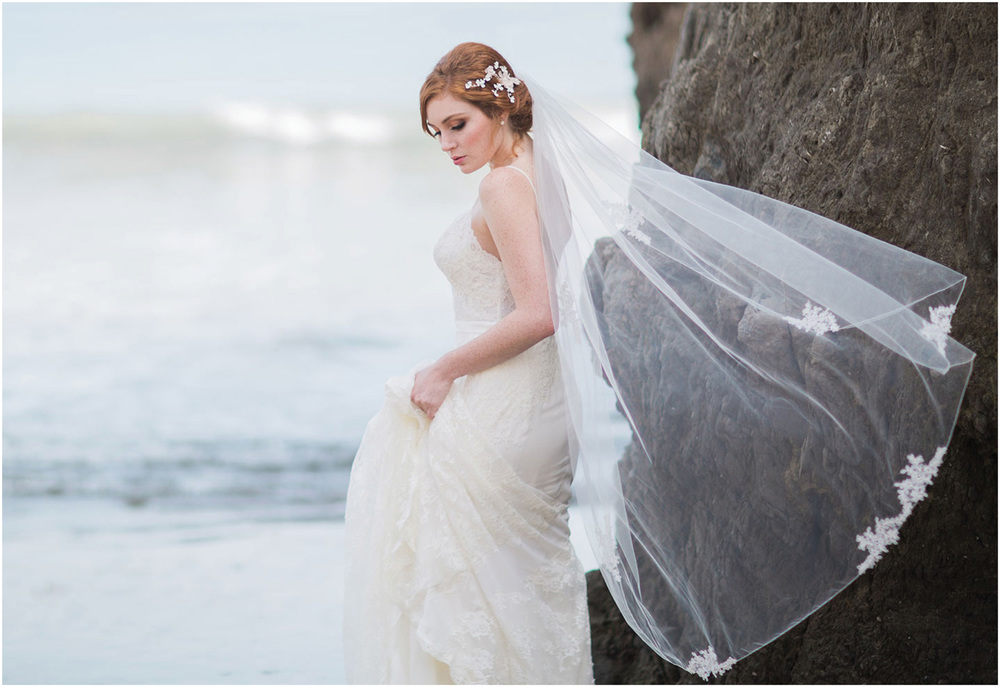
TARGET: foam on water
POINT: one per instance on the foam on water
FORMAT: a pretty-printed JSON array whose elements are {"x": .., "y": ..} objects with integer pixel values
[{"x": 300, "y": 127}]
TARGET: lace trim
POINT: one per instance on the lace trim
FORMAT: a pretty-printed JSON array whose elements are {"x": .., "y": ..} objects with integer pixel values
[
  {"x": 477, "y": 247},
  {"x": 936, "y": 331},
  {"x": 569, "y": 316},
  {"x": 628, "y": 220},
  {"x": 911, "y": 491},
  {"x": 607, "y": 548},
  {"x": 706, "y": 664},
  {"x": 815, "y": 319}
]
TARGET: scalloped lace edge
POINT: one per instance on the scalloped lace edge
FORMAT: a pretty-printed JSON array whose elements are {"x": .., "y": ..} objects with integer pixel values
[
  {"x": 911, "y": 491},
  {"x": 706, "y": 664}
]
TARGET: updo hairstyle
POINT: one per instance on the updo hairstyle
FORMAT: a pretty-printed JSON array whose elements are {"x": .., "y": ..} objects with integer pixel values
[{"x": 468, "y": 62}]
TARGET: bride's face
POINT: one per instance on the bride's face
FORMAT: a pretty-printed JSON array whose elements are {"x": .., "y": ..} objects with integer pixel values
[{"x": 464, "y": 131}]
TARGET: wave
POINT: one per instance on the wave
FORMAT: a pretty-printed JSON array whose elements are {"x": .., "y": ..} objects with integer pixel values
[
  {"x": 192, "y": 472},
  {"x": 221, "y": 122},
  {"x": 300, "y": 127},
  {"x": 228, "y": 120}
]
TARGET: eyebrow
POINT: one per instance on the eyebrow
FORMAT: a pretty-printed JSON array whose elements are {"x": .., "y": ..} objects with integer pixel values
[{"x": 447, "y": 119}]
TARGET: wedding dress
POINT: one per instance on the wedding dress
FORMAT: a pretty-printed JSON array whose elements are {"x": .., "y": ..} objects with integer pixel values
[{"x": 460, "y": 567}]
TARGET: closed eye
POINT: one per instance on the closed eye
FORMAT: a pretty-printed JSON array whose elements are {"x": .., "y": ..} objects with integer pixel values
[{"x": 457, "y": 127}]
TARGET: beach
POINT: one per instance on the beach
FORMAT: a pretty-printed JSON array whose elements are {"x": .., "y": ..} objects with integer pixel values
[
  {"x": 204, "y": 294},
  {"x": 97, "y": 592}
]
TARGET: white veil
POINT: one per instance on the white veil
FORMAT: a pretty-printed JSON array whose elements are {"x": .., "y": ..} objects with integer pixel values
[{"x": 758, "y": 395}]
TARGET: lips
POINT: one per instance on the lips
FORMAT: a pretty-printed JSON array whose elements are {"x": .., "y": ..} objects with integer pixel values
[{"x": 458, "y": 160}]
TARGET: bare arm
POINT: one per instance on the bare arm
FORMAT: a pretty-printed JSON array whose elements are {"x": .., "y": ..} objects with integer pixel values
[{"x": 509, "y": 209}]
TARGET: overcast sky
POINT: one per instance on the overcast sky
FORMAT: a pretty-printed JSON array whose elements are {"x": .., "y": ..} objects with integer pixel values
[{"x": 177, "y": 57}]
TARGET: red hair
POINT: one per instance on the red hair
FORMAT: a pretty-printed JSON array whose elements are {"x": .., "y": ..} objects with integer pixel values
[{"x": 468, "y": 62}]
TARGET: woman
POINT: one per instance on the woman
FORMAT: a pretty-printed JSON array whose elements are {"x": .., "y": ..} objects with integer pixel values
[
  {"x": 457, "y": 509},
  {"x": 757, "y": 398}
]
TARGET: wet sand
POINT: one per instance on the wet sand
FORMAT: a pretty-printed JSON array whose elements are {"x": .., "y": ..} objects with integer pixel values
[
  {"x": 100, "y": 593},
  {"x": 95, "y": 592}
]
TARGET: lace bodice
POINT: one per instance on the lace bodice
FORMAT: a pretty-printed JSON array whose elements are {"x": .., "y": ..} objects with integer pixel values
[
  {"x": 482, "y": 297},
  {"x": 478, "y": 283}
]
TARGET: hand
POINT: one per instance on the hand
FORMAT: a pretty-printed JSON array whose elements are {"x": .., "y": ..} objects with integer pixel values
[{"x": 430, "y": 387}]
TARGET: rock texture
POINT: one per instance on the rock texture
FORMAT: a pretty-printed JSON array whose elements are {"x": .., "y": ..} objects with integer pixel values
[
  {"x": 656, "y": 33},
  {"x": 882, "y": 117}
]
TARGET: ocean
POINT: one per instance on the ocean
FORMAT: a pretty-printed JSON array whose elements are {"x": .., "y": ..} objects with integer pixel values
[{"x": 202, "y": 310}]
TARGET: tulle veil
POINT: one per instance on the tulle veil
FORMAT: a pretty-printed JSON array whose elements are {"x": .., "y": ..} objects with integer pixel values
[{"x": 758, "y": 395}]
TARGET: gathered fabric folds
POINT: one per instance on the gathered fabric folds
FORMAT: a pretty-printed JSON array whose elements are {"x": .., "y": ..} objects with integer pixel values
[
  {"x": 759, "y": 396},
  {"x": 458, "y": 571},
  {"x": 459, "y": 563}
]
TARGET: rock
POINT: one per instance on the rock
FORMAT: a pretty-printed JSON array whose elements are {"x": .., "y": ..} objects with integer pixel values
[
  {"x": 884, "y": 118},
  {"x": 656, "y": 30}
]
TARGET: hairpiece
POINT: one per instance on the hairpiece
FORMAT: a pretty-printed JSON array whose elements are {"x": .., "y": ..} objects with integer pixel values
[{"x": 503, "y": 80}]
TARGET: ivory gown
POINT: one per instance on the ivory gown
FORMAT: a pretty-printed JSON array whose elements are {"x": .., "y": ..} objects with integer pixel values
[{"x": 459, "y": 563}]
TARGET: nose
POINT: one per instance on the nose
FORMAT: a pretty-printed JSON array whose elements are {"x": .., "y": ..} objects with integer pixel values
[{"x": 447, "y": 143}]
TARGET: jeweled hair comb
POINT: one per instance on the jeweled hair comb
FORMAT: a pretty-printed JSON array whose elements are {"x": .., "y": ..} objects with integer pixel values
[{"x": 502, "y": 77}]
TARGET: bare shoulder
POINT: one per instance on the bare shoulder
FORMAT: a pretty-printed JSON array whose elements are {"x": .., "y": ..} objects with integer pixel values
[{"x": 504, "y": 187}]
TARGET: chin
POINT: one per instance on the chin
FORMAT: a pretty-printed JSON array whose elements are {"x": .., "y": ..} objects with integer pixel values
[{"x": 468, "y": 168}]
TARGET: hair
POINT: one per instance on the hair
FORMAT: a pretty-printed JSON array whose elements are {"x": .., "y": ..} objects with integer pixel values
[{"x": 468, "y": 62}]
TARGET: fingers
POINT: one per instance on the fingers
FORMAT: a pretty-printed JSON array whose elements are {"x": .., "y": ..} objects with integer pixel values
[
  {"x": 427, "y": 409},
  {"x": 428, "y": 393}
]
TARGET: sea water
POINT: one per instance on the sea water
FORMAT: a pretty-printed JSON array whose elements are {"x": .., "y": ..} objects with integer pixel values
[
  {"x": 203, "y": 309},
  {"x": 196, "y": 313}
]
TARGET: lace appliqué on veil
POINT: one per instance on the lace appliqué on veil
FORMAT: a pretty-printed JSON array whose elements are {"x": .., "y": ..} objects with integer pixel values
[
  {"x": 815, "y": 319},
  {"x": 628, "y": 220},
  {"x": 607, "y": 547},
  {"x": 912, "y": 490},
  {"x": 706, "y": 664},
  {"x": 936, "y": 331},
  {"x": 568, "y": 314}
]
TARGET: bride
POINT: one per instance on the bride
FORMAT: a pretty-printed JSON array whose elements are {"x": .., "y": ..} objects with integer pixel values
[
  {"x": 460, "y": 564},
  {"x": 751, "y": 400}
]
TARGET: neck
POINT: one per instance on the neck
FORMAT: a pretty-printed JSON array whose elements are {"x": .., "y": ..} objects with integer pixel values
[{"x": 506, "y": 153}]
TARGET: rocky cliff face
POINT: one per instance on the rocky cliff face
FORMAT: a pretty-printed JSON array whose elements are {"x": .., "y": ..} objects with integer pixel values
[
  {"x": 884, "y": 118},
  {"x": 657, "y": 30}
]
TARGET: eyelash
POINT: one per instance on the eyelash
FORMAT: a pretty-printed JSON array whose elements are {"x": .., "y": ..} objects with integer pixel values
[{"x": 457, "y": 127}]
